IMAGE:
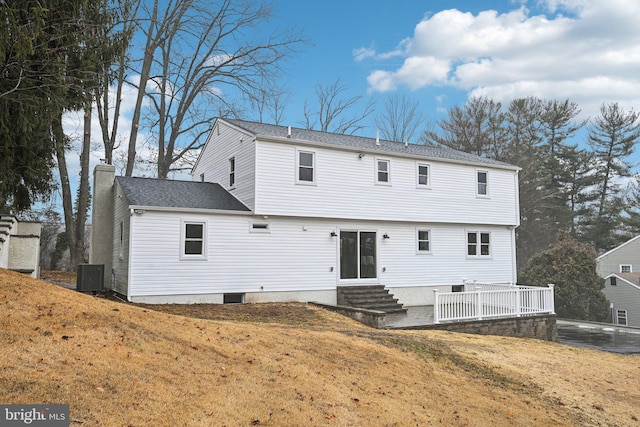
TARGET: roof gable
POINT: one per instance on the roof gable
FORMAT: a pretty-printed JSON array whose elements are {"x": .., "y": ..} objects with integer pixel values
[
  {"x": 150, "y": 192},
  {"x": 632, "y": 279},
  {"x": 362, "y": 143},
  {"x": 628, "y": 242}
]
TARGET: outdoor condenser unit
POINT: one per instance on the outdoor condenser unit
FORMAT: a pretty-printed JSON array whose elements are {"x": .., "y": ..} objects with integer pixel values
[{"x": 90, "y": 278}]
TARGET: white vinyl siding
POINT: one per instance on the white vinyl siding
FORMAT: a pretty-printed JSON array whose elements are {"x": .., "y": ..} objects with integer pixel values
[
  {"x": 224, "y": 143},
  {"x": 345, "y": 189},
  {"x": 299, "y": 254}
]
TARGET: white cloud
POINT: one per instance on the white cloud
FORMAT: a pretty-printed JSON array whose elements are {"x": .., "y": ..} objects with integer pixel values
[{"x": 585, "y": 50}]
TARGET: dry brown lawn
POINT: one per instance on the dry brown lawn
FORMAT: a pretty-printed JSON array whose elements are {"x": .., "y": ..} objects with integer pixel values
[{"x": 118, "y": 364}]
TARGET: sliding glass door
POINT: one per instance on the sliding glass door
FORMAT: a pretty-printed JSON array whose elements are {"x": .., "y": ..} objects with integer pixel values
[{"x": 358, "y": 255}]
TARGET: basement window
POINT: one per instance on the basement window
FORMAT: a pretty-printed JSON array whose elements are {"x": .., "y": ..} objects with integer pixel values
[{"x": 233, "y": 299}]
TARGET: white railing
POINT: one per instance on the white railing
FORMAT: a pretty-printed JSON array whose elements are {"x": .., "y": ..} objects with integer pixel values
[{"x": 489, "y": 301}]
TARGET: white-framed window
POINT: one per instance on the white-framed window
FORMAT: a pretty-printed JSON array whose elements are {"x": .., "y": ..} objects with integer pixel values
[
  {"x": 625, "y": 268},
  {"x": 194, "y": 240},
  {"x": 232, "y": 172},
  {"x": 482, "y": 183},
  {"x": 383, "y": 171},
  {"x": 260, "y": 227},
  {"x": 306, "y": 167},
  {"x": 423, "y": 175},
  {"x": 423, "y": 241},
  {"x": 621, "y": 316},
  {"x": 478, "y": 244}
]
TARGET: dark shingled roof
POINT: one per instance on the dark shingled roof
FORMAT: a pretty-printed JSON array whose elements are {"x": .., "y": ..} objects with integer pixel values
[
  {"x": 178, "y": 194},
  {"x": 363, "y": 143}
]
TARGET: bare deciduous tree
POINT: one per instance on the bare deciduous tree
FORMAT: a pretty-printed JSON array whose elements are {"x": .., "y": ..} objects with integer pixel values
[
  {"x": 332, "y": 109},
  {"x": 400, "y": 119},
  {"x": 198, "y": 57}
]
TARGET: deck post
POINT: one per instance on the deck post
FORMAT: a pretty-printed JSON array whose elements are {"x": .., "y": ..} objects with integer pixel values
[
  {"x": 436, "y": 307},
  {"x": 552, "y": 303}
]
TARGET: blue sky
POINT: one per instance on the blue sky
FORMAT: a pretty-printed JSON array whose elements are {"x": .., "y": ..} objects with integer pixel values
[{"x": 440, "y": 52}]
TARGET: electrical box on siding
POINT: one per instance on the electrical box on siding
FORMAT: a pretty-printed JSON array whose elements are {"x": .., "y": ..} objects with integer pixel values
[{"x": 90, "y": 278}]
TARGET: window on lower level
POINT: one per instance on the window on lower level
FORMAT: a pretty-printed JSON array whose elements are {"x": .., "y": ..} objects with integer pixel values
[
  {"x": 193, "y": 240},
  {"x": 260, "y": 227},
  {"x": 424, "y": 241},
  {"x": 621, "y": 317},
  {"x": 478, "y": 244}
]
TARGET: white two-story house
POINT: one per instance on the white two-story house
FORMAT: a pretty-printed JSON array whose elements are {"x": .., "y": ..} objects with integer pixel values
[{"x": 276, "y": 213}]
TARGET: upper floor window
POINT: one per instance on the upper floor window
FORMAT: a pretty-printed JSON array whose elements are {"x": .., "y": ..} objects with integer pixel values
[
  {"x": 383, "y": 171},
  {"x": 482, "y": 179},
  {"x": 193, "y": 240},
  {"x": 232, "y": 172},
  {"x": 478, "y": 244},
  {"x": 423, "y": 175},
  {"x": 424, "y": 241},
  {"x": 625, "y": 268},
  {"x": 306, "y": 167}
]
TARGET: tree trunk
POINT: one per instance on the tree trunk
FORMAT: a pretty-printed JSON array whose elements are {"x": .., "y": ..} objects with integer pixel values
[
  {"x": 83, "y": 189},
  {"x": 67, "y": 205}
]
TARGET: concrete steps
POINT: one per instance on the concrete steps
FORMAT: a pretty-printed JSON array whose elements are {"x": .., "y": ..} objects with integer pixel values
[{"x": 372, "y": 297}]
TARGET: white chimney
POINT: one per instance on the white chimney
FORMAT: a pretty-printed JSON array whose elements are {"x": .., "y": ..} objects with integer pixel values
[
  {"x": 377, "y": 137},
  {"x": 289, "y": 132}
]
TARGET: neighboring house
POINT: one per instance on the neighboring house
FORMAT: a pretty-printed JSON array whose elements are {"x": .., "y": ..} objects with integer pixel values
[
  {"x": 283, "y": 214},
  {"x": 20, "y": 245},
  {"x": 623, "y": 292},
  {"x": 620, "y": 267}
]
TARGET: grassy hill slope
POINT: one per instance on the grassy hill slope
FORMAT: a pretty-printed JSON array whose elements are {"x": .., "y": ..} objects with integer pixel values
[{"x": 120, "y": 364}]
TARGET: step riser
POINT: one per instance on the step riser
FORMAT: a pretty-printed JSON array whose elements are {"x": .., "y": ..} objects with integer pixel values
[{"x": 375, "y": 297}]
